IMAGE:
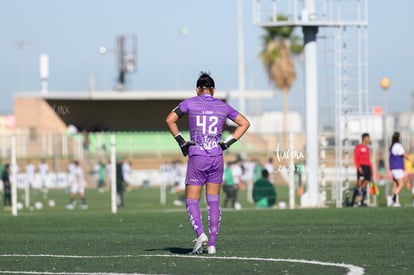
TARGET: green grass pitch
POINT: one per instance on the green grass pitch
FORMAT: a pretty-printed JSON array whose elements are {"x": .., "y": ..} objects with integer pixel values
[{"x": 148, "y": 238}]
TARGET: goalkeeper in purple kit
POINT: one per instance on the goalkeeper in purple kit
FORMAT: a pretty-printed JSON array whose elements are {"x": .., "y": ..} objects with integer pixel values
[{"x": 205, "y": 166}]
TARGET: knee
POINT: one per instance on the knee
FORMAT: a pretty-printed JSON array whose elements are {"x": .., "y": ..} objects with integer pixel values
[{"x": 212, "y": 198}]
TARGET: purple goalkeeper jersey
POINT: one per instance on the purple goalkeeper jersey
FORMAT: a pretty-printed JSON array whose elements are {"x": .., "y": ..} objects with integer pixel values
[{"x": 207, "y": 115}]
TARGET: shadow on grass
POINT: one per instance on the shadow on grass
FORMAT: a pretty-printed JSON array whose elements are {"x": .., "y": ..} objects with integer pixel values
[{"x": 173, "y": 250}]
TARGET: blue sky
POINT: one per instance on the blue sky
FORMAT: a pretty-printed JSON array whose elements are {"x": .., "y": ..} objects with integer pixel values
[{"x": 72, "y": 31}]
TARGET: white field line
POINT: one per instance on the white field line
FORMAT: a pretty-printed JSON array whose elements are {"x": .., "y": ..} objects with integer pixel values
[
  {"x": 352, "y": 269},
  {"x": 65, "y": 273}
]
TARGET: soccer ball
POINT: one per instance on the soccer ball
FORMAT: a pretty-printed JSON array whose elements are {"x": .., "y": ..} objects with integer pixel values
[
  {"x": 19, "y": 206},
  {"x": 52, "y": 203},
  {"x": 38, "y": 205},
  {"x": 282, "y": 205},
  {"x": 237, "y": 206}
]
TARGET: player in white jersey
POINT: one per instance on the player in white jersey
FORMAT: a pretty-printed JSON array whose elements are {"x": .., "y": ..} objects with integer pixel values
[
  {"x": 126, "y": 171},
  {"x": 30, "y": 172},
  {"x": 179, "y": 182},
  {"x": 70, "y": 175},
  {"x": 43, "y": 173},
  {"x": 77, "y": 187}
]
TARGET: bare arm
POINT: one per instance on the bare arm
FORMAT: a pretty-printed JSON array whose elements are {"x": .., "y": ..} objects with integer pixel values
[
  {"x": 406, "y": 156},
  {"x": 242, "y": 125},
  {"x": 171, "y": 121}
]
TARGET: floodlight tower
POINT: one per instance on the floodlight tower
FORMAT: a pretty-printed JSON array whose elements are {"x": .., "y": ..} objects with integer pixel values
[
  {"x": 336, "y": 15},
  {"x": 127, "y": 57}
]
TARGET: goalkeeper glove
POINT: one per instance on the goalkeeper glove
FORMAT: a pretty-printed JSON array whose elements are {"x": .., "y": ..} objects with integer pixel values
[
  {"x": 227, "y": 143},
  {"x": 184, "y": 145}
]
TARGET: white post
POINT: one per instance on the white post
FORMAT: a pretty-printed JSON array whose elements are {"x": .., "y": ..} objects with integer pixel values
[
  {"x": 13, "y": 176},
  {"x": 291, "y": 174},
  {"x": 49, "y": 145},
  {"x": 311, "y": 96},
  {"x": 163, "y": 195},
  {"x": 113, "y": 175},
  {"x": 64, "y": 145}
]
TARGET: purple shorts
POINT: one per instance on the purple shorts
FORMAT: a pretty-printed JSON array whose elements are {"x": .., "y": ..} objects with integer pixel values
[{"x": 202, "y": 169}]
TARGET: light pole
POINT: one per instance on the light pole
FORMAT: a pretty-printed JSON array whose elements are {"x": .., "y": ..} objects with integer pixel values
[
  {"x": 127, "y": 58},
  {"x": 44, "y": 72},
  {"x": 103, "y": 51},
  {"x": 126, "y": 51},
  {"x": 21, "y": 44}
]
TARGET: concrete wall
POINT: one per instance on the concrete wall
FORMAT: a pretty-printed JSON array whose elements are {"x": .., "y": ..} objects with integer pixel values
[{"x": 36, "y": 116}]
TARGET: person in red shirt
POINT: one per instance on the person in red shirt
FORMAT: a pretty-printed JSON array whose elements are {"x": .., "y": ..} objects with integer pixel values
[{"x": 364, "y": 168}]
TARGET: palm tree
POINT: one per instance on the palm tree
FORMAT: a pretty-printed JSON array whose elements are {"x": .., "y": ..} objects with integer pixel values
[{"x": 279, "y": 44}]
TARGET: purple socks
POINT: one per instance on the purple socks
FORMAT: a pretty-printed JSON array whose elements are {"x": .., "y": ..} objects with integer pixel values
[
  {"x": 194, "y": 213},
  {"x": 214, "y": 218}
]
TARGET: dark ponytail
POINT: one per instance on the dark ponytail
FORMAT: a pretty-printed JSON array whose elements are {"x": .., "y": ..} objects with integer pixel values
[{"x": 395, "y": 139}]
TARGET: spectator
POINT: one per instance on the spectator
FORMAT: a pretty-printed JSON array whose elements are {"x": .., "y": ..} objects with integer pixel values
[
  {"x": 264, "y": 193},
  {"x": 120, "y": 184},
  {"x": 126, "y": 172},
  {"x": 5, "y": 177},
  {"x": 228, "y": 186},
  {"x": 101, "y": 176}
]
